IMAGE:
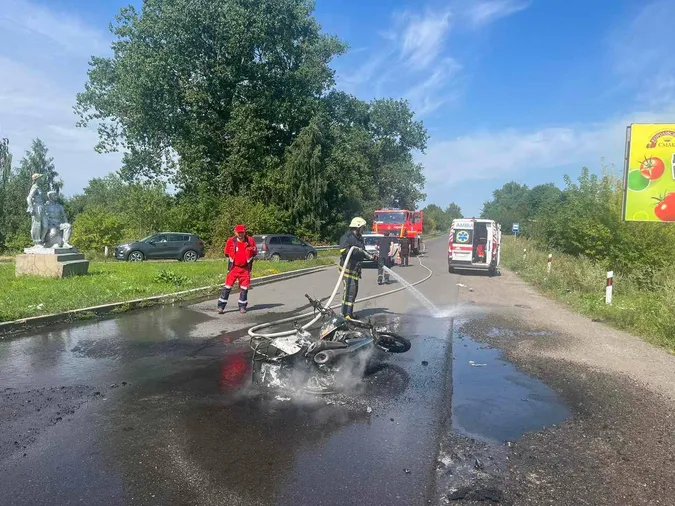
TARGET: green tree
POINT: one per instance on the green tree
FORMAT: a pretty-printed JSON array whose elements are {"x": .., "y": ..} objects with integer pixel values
[
  {"x": 395, "y": 134},
  {"x": 226, "y": 86},
  {"x": 16, "y": 185},
  {"x": 37, "y": 161},
  {"x": 306, "y": 176},
  {"x": 453, "y": 212},
  {"x": 96, "y": 228},
  {"x": 5, "y": 173},
  {"x": 509, "y": 205}
]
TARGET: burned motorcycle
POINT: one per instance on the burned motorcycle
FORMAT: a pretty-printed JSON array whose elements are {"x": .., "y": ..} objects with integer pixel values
[{"x": 322, "y": 365}]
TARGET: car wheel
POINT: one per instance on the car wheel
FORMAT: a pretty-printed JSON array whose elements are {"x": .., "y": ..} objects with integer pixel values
[
  {"x": 310, "y": 256},
  {"x": 135, "y": 256},
  {"x": 275, "y": 257},
  {"x": 190, "y": 256}
]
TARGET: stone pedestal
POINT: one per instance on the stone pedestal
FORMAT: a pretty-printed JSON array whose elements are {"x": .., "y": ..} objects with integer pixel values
[{"x": 51, "y": 262}]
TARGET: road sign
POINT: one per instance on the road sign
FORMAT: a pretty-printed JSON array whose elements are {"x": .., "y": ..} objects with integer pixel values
[{"x": 516, "y": 228}]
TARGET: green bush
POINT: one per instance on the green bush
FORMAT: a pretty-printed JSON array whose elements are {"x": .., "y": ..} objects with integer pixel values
[
  {"x": 258, "y": 218},
  {"x": 96, "y": 228},
  {"x": 642, "y": 299}
]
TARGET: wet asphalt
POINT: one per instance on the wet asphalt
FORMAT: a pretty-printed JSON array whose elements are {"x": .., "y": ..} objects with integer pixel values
[{"x": 157, "y": 406}]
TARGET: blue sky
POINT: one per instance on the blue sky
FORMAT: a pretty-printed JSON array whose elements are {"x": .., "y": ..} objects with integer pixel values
[{"x": 524, "y": 90}]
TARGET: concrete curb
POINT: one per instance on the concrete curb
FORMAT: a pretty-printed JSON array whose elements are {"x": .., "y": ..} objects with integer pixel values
[{"x": 86, "y": 313}]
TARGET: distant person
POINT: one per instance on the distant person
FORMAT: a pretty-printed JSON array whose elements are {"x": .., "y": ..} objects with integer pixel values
[
  {"x": 405, "y": 249},
  {"x": 350, "y": 282},
  {"x": 240, "y": 251},
  {"x": 480, "y": 252},
  {"x": 383, "y": 259}
]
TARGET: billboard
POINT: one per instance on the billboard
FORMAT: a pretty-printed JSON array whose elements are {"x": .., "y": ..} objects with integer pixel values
[{"x": 649, "y": 172}]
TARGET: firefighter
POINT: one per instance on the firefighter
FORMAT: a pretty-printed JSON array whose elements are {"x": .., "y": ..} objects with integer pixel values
[
  {"x": 383, "y": 259},
  {"x": 240, "y": 251},
  {"x": 350, "y": 282},
  {"x": 405, "y": 249}
]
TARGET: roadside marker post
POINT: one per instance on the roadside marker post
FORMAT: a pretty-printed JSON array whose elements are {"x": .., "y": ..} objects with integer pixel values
[
  {"x": 106, "y": 252},
  {"x": 524, "y": 253},
  {"x": 609, "y": 287},
  {"x": 548, "y": 265}
]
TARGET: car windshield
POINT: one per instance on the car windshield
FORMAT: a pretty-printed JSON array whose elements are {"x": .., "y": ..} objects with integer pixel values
[
  {"x": 390, "y": 218},
  {"x": 372, "y": 240},
  {"x": 147, "y": 238}
]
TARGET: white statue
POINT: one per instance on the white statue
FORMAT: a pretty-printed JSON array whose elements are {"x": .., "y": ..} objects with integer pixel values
[
  {"x": 36, "y": 203},
  {"x": 58, "y": 228}
]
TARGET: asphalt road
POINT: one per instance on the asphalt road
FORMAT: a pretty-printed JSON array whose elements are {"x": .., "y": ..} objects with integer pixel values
[
  {"x": 157, "y": 407},
  {"x": 149, "y": 408}
]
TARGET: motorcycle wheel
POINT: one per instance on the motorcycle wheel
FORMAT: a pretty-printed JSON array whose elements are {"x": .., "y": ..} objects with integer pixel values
[{"x": 392, "y": 343}]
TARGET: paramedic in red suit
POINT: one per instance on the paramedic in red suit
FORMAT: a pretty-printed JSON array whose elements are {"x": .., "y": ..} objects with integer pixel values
[{"x": 240, "y": 251}]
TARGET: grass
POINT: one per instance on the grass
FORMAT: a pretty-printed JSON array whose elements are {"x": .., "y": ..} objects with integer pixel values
[
  {"x": 580, "y": 283},
  {"x": 108, "y": 282}
]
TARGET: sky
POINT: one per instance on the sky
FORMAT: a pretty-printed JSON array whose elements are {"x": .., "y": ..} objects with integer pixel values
[{"x": 509, "y": 90}]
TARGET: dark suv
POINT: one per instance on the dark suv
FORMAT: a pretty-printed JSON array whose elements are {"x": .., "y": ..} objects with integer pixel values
[
  {"x": 164, "y": 246},
  {"x": 277, "y": 247}
]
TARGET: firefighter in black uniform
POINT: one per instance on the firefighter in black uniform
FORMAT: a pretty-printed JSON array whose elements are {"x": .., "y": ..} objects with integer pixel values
[
  {"x": 350, "y": 282},
  {"x": 405, "y": 249},
  {"x": 383, "y": 259}
]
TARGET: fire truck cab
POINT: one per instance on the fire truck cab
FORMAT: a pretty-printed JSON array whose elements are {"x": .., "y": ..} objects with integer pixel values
[
  {"x": 474, "y": 245},
  {"x": 401, "y": 223}
]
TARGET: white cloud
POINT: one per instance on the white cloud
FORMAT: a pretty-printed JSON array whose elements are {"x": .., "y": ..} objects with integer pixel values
[
  {"x": 43, "y": 62},
  {"x": 637, "y": 59},
  {"x": 483, "y": 12},
  {"x": 639, "y": 56},
  {"x": 413, "y": 59},
  {"x": 437, "y": 89},
  {"x": 47, "y": 28},
  {"x": 509, "y": 153},
  {"x": 423, "y": 37}
]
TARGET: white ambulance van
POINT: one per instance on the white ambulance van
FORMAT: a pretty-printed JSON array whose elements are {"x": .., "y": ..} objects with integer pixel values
[{"x": 474, "y": 245}]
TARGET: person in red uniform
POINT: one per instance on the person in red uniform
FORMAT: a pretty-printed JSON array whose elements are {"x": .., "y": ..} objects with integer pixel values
[{"x": 240, "y": 251}]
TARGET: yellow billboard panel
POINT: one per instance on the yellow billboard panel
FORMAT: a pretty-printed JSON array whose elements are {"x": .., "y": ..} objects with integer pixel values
[{"x": 649, "y": 173}]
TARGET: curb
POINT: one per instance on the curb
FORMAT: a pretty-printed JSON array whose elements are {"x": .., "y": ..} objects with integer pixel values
[{"x": 93, "y": 311}]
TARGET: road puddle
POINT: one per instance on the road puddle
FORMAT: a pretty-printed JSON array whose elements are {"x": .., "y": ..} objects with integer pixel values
[{"x": 492, "y": 400}]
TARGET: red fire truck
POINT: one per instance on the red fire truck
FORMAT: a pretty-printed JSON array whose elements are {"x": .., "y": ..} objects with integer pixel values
[{"x": 399, "y": 222}]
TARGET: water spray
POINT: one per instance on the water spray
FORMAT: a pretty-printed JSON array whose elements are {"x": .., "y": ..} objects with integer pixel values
[{"x": 254, "y": 332}]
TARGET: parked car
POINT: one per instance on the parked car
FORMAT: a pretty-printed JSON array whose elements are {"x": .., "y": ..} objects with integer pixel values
[
  {"x": 277, "y": 247},
  {"x": 372, "y": 243},
  {"x": 165, "y": 246}
]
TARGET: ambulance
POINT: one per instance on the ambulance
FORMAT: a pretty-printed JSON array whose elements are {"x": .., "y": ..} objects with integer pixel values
[{"x": 474, "y": 245}]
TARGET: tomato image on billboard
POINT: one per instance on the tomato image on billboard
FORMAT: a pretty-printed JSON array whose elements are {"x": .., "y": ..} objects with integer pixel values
[
  {"x": 652, "y": 168},
  {"x": 649, "y": 173},
  {"x": 665, "y": 209}
]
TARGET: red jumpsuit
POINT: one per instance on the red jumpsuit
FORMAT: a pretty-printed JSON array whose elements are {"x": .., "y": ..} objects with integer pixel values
[{"x": 240, "y": 255}]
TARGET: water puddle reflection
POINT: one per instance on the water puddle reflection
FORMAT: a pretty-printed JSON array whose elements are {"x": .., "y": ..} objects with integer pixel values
[{"x": 492, "y": 400}]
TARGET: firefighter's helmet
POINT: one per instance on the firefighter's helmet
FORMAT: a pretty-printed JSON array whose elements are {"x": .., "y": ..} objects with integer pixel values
[{"x": 357, "y": 222}]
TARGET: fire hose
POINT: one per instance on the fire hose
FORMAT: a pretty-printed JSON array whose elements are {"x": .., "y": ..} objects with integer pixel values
[{"x": 253, "y": 332}]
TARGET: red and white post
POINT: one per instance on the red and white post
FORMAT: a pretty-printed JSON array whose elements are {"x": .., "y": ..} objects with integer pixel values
[
  {"x": 608, "y": 289},
  {"x": 550, "y": 260}
]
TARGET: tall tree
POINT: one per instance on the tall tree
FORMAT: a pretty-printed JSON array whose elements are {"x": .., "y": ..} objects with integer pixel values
[
  {"x": 453, "y": 212},
  {"x": 305, "y": 168},
  {"x": 395, "y": 134},
  {"x": 5, "y": 171},
  {"x": 36, "y": 160},
  {"x": 509, "y": 205},
  {"x": 222, "y": 87}
]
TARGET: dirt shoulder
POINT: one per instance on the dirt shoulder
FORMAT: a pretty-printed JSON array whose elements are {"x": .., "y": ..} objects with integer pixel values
[
  {"x": 581, "y": 340},
  {"x": 616, "y": 449}
]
